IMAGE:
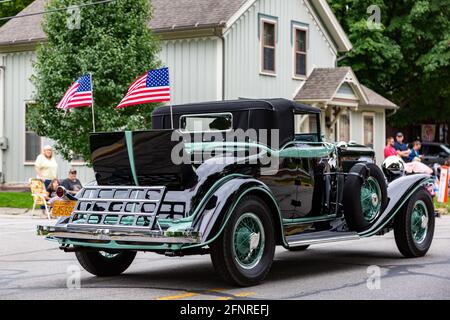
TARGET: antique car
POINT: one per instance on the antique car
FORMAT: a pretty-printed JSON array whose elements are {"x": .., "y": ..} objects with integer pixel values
[{"x": 235, "y": 179}]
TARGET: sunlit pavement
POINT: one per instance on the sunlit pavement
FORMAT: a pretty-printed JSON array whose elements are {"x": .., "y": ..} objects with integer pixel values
[{"x": 33, "y": 268}]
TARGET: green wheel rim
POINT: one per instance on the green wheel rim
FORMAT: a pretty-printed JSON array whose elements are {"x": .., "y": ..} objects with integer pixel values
[
  {"x": 248, "y": 240},
  {"x": 419, "y": 222},
  {"x": 371, "y": 199}
]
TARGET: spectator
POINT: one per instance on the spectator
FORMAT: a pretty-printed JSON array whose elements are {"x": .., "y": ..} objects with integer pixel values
[
  {"x": 52, "y": 188},
  {"x": 401, "y": 147},
  {"x": 72, "y": 184},
  {"x": 414, "y": 155},
  {"x": 46, "y": 166},
  {"x": 52, "y": 197},
  {"x": 389, "y": 149}
]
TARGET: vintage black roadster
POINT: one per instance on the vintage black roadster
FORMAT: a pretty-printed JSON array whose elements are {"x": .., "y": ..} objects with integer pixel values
[{"x": 234, "y": 179}]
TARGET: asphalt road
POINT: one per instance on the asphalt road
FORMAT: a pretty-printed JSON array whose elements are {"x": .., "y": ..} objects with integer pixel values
[{"x": 33, "y": 268}]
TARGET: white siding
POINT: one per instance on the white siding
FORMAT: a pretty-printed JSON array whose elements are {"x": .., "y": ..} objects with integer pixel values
[
  {"x": 356, "y": 134},
  {"x": 242, "y": 51},
  {"x": 18, "y": 90},
  {"x": 194, "y": 72}
]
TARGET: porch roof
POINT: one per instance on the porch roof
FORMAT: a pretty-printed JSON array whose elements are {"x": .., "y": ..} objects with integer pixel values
[
  {"x": 323, "y": 84},
  {"x": 377, "y": 100}
]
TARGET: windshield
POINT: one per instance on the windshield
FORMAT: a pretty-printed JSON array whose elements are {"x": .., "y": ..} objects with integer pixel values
[{"x": 307, "y": 127}]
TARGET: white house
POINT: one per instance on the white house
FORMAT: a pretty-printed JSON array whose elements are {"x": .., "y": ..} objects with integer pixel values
[{"x": 215, "y": 50}]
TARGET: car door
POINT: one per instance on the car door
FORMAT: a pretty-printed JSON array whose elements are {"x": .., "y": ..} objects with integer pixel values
[{"x": 282, "y": 180}]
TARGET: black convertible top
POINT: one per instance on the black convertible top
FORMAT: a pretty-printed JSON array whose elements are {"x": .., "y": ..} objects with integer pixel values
[
  {"x": 247, "y": 114},
  {"x": 277, "y": 105}
]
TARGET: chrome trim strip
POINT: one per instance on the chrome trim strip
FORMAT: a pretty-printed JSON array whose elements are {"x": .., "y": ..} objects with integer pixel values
[
  {"x": 124, "y": 187},
  {"x": 125, "y": 238},
  {"x": 325, "y": 240},
  {"x": 119, "y": 200},
  {"x": 121, "y": 213}
]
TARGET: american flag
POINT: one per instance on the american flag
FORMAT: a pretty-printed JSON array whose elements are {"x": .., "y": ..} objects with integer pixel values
[
  {"x": 78, "y": 95},
  {"x": 151, "y": 87}
]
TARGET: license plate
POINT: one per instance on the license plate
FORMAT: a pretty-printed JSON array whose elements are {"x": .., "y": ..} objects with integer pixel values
[{"x": 63, "y": 208}]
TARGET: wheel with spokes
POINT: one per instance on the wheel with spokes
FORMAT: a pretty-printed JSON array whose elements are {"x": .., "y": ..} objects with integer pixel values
[
  {"x": 243, "y": 254},
  {"x": 365, "y": 196},
  {"x": 414, "y": 225}
]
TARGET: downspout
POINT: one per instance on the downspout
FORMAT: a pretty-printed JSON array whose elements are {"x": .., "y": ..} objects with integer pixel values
[
  {"x": 223, "y": 66},
  {"x": 392, "y": 113},
  {"x": 219, "y": 33},
  {"x": 2, "y": 115}
]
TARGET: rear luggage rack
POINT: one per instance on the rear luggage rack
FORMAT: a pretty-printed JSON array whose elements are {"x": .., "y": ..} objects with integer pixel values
[{"x": 117, "y": 208}]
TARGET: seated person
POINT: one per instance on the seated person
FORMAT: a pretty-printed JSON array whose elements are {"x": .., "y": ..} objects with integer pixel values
[
  {"x": 402, "y": 148},
  {"x": 51, "y": 189},
  {"x": 72, "y": 184},
  {"x": 52, "y": 197},
  {"x": 389, "y": 149},
  {"x": 415, "y": 154}
]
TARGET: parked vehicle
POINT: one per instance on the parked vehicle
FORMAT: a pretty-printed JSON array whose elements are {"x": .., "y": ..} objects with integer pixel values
[
  {"x": 435, "y": 153},
  {"x": 236, "y": 200}
]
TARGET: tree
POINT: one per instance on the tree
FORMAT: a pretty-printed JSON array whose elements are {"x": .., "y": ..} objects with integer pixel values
[
  {"x": 114, "y": 43},
  {"x": 406, "y": 57},
  {"x": 10, "y": 8}
]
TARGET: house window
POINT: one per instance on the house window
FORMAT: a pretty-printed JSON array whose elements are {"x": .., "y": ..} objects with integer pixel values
[
  {"x": 268, "y": 43},
  {"x": 300, "y": 49},
  {"x": 33, "y": 142},
  {"x": 344, "y": 127},
  {"x": 368, "y": 127}
]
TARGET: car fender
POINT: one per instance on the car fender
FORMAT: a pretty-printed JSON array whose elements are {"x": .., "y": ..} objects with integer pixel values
[
  {"x": 399, "y": 192},
  {"x": 215, "y": 211}
]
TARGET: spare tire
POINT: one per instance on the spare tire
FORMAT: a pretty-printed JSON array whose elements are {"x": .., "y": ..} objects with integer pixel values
[{"x": 365, "y": 196}]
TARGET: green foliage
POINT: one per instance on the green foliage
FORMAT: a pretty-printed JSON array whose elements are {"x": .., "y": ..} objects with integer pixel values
[
  {"x": 407, "y": 59},
  {"x": 113, "y": 43},
  {"x": 11, "y": 8}
]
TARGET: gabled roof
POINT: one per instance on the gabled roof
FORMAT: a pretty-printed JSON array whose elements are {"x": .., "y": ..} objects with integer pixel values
[
  {"x": 26, "y": 29},
  {"x": 323, "y": 84},
  {"x": 376, "y": 100},
  {"x": 172, "y": 15}
]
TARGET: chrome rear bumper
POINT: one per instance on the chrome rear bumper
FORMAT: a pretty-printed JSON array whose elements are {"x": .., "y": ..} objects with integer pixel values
[{"x": 125, "y": 236}]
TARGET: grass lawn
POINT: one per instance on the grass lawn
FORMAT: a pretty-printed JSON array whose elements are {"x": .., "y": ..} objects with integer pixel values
[
  {"x": 445, "y": 206},
  {"x": 16, "y": 200}
]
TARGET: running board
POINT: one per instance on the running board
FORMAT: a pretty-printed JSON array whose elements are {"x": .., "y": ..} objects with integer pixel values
[{"x": 320, "y": 237}]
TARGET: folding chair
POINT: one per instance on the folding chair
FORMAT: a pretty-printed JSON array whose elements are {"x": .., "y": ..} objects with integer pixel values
[{"x": 39, "y": 193}]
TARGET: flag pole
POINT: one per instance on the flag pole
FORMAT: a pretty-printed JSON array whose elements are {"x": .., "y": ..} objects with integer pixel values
[
  {"x": 171, "y": 114},
  {"x": 92, "y": 107},
  {"x": 171, "y": 95}
]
